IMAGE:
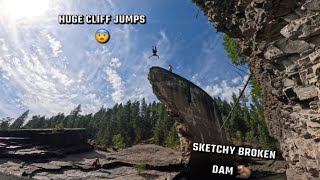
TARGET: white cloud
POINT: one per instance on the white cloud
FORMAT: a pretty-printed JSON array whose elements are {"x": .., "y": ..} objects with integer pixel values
[
  {"x": 115, "y": 63},
  {"x": 225, "y": 89},
  {"x": 40, "y": 74},
  {"x": 50, "y": 68},
  {"x": 115, "y": 80},
  {"x": 195, "y": 79},
  {"x": 40, "y": 85},
  {"x": 55, "y": 46}
]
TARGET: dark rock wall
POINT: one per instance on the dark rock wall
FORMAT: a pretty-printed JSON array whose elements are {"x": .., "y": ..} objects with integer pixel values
[
  {"x": 66, "y": 137},
  {"x": 32, "y": 144},
  {"x": 281, "y": 42},
  {"x": 197, "y": 117}
]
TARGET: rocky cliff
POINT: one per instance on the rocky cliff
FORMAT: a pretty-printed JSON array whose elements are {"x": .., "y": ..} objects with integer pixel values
[
  {"x": 280, "y": 40},
  {"x": 197, "y": 117},
  {"x": 31, "y": 144}
]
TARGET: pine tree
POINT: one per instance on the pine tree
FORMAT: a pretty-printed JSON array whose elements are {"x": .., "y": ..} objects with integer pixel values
[
  {"x": 172, "y": 139},
  {"x": 118, "y": 141},
  {"x": 5, "y": 123},
  {"x": 17, "y": 124},
  {"x": 232, "y": 47}
]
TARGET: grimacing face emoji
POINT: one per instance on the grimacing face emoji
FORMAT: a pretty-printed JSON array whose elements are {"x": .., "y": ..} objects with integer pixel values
[{"x": 102, "y": 36}]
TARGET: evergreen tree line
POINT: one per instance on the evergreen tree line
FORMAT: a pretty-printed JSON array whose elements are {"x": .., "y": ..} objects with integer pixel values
[
  {"x": 246, "y": 125},
  {"x": 135, "y": 122},
  {"x": 120, "y": 126}
]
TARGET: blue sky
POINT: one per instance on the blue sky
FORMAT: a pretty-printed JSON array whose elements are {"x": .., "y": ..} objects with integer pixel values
[{"x": 49, "y": 68}]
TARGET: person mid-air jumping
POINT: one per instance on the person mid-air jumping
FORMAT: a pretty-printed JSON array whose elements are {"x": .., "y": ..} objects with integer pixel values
[{"x": 154, "y": 51}]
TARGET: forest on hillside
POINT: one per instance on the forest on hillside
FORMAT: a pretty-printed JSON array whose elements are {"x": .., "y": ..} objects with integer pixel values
[{"x": 131, "y": 123}]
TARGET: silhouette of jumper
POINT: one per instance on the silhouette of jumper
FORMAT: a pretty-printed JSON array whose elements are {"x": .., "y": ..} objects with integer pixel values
[{"x": 154, "y": 52}]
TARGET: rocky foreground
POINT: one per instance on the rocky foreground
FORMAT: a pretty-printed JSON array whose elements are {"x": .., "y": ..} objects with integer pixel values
[
  {"x": 158, "y": 162},
  {"x": 65, "y": 154}
]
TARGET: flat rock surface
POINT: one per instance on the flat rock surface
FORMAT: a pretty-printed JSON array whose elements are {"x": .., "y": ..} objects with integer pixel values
[
  {"x": 152, "y": 155},
  {"x": 114, "y": 165}
]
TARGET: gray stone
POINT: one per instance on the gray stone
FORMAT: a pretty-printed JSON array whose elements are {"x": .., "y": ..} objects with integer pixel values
[
  {"x": 29, "y": 170},
  {"x": 302, "y": 28},
  {"x": 313, "y": 105},
  {"x": 273, "y": 52},
  {"x": 315, "y": 56},
  {"x": 46, "y": 166},
  {"x": 313, "y": 5},
  {"x": 288, "y": 83},
  {"x": 313, "y": 124},
  {"x": 288, "y": 46},
  {"x": 304, "y": 93},
  {"x": 61, "y": 163}
]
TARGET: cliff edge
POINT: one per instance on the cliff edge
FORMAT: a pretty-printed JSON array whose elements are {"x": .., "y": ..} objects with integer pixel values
[{"x": 196, "y": 115}]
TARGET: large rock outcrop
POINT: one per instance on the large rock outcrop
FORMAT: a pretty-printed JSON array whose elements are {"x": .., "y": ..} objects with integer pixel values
[
  {"x": 281, "y": 41},
  {"x": 31, "y": 144},
  {"x": 197, "y": 117}
]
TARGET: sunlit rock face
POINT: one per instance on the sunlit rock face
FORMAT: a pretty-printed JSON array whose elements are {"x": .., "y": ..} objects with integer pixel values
[
  {"x": 197, "y": 117},
  {"x": 281, "y": 42}
]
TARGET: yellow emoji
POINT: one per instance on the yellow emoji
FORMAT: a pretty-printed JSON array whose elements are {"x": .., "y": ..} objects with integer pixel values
[{"x": 102, "y": 36}]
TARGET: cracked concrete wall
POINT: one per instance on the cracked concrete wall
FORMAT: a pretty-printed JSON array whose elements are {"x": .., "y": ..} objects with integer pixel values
[{"x": 281, "y": 42}]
